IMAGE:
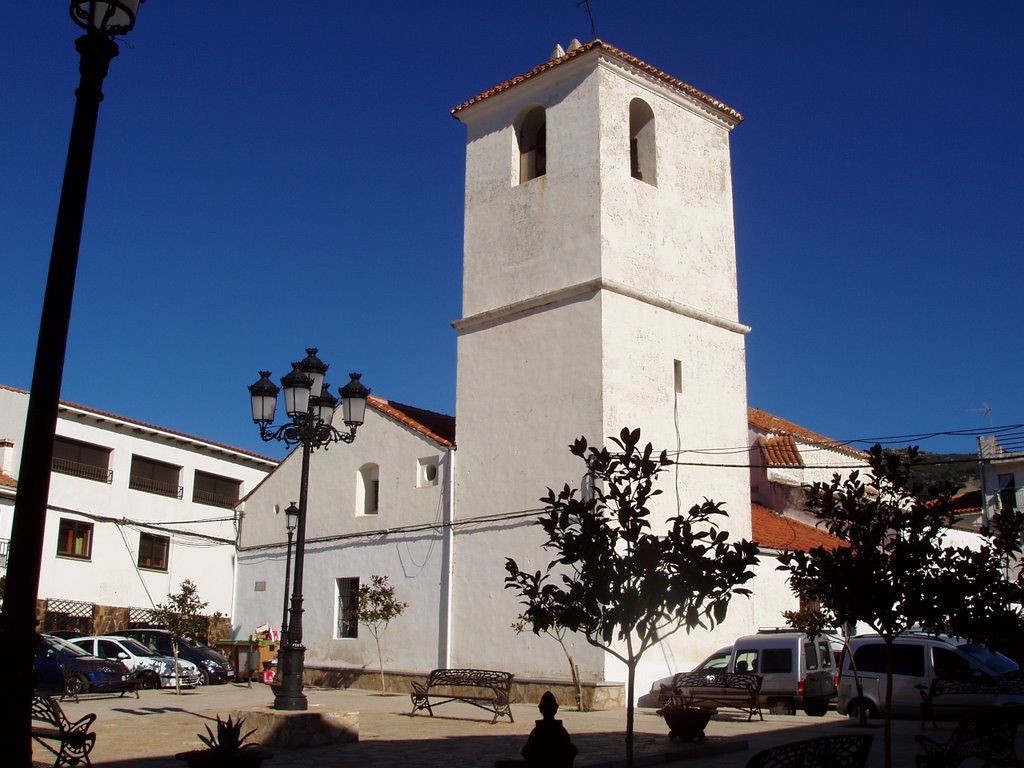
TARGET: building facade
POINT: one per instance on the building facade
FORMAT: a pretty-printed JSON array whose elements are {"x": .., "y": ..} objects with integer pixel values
[{"x": 134, "y": 509}]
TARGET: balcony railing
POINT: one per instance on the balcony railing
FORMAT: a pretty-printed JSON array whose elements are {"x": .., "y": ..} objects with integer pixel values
[
  {"x": 5, "y": 546},
  {"x": 214, "y": 499},
  {"x": 158, "y": 487},
  {"x": 78, "y": 469},
  {"x": 1013, "y": 499}
]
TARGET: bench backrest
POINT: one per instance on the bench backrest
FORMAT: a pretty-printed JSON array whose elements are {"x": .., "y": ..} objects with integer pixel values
[
  {"x": 736, "y": 680},
  {"x": 480, "y": 678},
  {"x": 46, "y": 709},
  {"x": 847, "y": 751}
]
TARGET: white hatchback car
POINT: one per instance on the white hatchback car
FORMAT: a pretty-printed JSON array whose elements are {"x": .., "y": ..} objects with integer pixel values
[{"x": 154, "y": 669}]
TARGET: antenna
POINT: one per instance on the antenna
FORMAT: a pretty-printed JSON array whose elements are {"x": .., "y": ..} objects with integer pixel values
[
  {"x": 984, "y": 411},
  {"x": 590, "y": 15}
]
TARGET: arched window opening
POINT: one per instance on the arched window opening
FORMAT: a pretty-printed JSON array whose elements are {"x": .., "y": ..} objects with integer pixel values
[
  {"x": 642, "y": 151},
  {"x": 368, "y": 490},
  {"x": 532, "y": 135}
]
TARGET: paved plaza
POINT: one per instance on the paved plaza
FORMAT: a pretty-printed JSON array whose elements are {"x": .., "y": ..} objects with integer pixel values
[{"x": 148, "y": 731}]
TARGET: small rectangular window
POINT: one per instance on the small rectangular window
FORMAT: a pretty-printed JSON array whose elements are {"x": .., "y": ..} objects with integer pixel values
[
  {"x": 73, "y": 457},
  {"x": 154, "y": 476},
  {"x": 74, "y": 539},
  {"x": 348, "y": 626},
  {"x": 153, "y": 551},
  {"x": 215, "y": 490}
]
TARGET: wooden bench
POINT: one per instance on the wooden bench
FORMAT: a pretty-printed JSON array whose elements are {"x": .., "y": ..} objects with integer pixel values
[
  {"x": 988, "y": 735},
  {"x": 847, "y": 751},
  {"x": 945, "y": 688},
  {"x": 69, "y": 742},
  {"x": 710, "y": 690},
  {"x": 484, "y": 688}
]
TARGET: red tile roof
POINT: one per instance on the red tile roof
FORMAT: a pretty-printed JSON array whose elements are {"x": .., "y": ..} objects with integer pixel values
[
  {"x": 780, "y": 451},
  {"x": 967, "y": 503},
  {"x": 437, "y": 426},
  {"x": 7, "y": 480},
  {"x": 766, "y": 422},
  {"x": 772, "y": 530},
  {"x": 679, "y": 85}
]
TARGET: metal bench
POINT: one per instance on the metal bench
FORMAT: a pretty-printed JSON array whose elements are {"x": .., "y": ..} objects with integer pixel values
[
  {"x": 484, "y": 688},
  {"x": 75, "y": 684},
  {"x": 69, "y": 742},
  {"x": 940, "y": 687},
  {"x": 710, "y": 690},
  {"x": 987, "y": 734},
  {"x": 824, "y": 752}
]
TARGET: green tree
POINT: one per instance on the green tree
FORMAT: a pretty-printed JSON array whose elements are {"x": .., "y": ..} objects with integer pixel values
[
  {"x": 183, "y": 615},
  {"x": 895, "y": 572},
  {"x": 375, "y": 608},
  {"x": 621, "y": 585}
]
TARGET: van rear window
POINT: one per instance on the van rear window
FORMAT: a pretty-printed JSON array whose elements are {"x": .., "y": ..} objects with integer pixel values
[
  {"x": 906, "y": 659},
  {"x": 810, "y": 656}
]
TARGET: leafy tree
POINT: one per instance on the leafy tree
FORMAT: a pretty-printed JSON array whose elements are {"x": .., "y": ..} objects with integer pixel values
[
  {"x": 895, "y": 572},
  {"x": 375, "y": 607},
  {"x": 613, "y": 579},
  {"x": 182, "y": 614}
]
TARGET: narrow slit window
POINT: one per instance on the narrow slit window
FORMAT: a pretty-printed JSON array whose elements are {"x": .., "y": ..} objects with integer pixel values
[
  {"x": 642, "y": 150},
  {"x": 533, "y": 152}
]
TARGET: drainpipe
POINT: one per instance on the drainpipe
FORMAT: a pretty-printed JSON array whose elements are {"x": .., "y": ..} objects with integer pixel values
[{"x": 444, "y": 651}]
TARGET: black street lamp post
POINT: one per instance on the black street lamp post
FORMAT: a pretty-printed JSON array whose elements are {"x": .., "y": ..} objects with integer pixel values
[
  {"x": 291, "y": 520},
  {"x": 102, "y": 20},
  {"x": 311, "y": 408}
]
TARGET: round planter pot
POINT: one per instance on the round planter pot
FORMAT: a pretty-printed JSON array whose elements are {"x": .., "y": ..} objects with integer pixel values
[
  {"x": 246, "y": 757},
  {"x": 686, "y": 723}
]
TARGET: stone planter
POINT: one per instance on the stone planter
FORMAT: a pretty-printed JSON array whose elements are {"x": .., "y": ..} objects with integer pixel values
[{"x": 686, "y": 723}]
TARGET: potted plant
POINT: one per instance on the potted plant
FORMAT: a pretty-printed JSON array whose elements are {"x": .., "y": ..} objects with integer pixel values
[
  {"x": 226, "y": 748},
  {"x": 684, "y": 722}
]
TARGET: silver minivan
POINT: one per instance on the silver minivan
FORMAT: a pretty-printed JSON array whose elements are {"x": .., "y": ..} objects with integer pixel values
[
  {"x": 797, "y": 671},
  {"x": 917, "y": 659}
]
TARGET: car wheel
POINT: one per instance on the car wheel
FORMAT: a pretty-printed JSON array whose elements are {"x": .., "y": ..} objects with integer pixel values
[
  {"x": 816, "y": 707},
  {"x": 781, "y": 707},
  {"x": 204, "y": 677},
  {"x": 76, "y": 683},
  {"x": 854, "y": 708}
]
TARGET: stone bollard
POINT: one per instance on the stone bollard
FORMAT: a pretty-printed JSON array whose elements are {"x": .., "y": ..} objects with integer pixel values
[{"x": 549, "y": 745}]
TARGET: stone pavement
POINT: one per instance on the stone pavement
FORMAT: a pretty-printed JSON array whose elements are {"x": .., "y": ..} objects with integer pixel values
[{"x": 147, "y": 732}]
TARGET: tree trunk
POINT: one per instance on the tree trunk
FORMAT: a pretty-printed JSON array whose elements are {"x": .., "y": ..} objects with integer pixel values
[{"x": 630, "y": 683}]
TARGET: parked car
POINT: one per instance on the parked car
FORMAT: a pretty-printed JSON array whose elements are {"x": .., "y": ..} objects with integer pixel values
[
  {"x": 796, "y": 671},
  {"x": 214, "y": 667},
  {"x": 66, "y": 634},
  {"x": 917, "y": 659},
  {"x": 57, "y": 659},
  {"x": 154, "y": 669}
]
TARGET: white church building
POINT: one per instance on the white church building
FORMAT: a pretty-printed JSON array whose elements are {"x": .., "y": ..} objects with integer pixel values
[{"x": 599, "y": 292}]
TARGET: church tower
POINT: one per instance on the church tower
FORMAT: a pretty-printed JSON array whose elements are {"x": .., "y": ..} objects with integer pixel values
[{"x": 599, "y": 292}]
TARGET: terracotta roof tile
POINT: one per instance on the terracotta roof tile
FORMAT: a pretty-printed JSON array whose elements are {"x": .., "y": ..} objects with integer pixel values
[
  {"x": 598, "y": 44},
  {"x": 8, "y": 481},
  {"x": 766, "y": 422},
  {"x": 968, "y": 502},
  {"x": 437, "y": 426},
  {"x": 772, "y": 530},
  {"x": 780, "y": 451}
]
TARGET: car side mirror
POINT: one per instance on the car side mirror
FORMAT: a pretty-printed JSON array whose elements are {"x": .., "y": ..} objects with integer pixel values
[{"x": 122, "y": 655}]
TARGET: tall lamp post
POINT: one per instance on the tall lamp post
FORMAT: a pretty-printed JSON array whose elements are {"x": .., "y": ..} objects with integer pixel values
[
  {"x": 311, "y": 408},
  {"x": 291, "y": 520},
  {"x": 102, "y": 21}
]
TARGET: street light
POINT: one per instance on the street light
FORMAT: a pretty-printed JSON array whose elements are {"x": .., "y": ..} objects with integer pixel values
[
  {"x": 101, "y": 22},
  {"x": 311, "y": 408},
  {"x": 291, "y": 520}
]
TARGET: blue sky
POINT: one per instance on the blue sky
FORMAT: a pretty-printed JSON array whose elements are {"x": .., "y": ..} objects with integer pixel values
[{"x": 266, "y": 181}]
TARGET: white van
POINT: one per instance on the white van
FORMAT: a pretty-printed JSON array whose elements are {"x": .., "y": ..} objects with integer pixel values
[
  {"x": 797, "y": 671},
  {"x": 917, "y": 659}
]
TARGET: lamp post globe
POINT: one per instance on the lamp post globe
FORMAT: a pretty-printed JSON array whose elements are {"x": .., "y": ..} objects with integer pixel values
[{"x": 311, "y": 410}]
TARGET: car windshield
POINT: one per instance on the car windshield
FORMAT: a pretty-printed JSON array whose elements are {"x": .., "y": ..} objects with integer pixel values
[
  {"x": 136, "y": 648},
  {"x": 65, "y": 647},
  {"x": 995, "y": 662}
]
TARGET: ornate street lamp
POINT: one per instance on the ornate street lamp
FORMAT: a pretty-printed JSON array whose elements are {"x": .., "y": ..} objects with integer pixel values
[
  {"x": 291, "y": 520},
  {"x": 311, "y": 408},
  {"x": 101, "y": 21}
]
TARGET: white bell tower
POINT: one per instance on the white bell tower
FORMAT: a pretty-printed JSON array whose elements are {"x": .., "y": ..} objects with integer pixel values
[{"x": 599, "y": 292}]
